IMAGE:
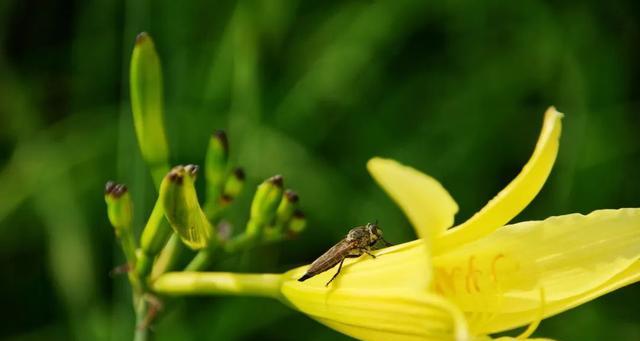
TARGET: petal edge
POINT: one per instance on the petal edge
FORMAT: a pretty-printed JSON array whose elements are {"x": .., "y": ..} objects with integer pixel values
[
  {"x": 516, "y": 195},
  {"x": 423, "y": 199}
]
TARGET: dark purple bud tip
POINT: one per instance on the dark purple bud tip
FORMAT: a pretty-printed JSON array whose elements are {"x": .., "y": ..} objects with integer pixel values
[
  {"x": 191, "y": 169},
  {"x": 298, "y": 214},
  {"x": 108, "y": 187},
  {"x": 276, "y": 180},
  {"x": 120, "y": 190},
  {"x": 226, "y": 199},
  {"x": 115, "y": 190},
  {"x": 239, "y": 173},
  {"x": 291, "y": 196},
  {"x": 221, "y": 136},
  {"x": 141, "y": 38},
  {"x": 176, "y": 174}
]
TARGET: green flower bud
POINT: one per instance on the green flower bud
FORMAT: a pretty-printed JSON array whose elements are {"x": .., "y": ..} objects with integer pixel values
[
  {"x": 232, "y": 187},
  {"x": 287, "y": 206},
  {"x": 147, "y": 106},
  {"x": 182, "y": 209},
  {"x": 265, "y": 203},
  {"x": 119, "y": 207},
  {"x": 120, "y": 212},
  {"x": 216, "y": 164},
  {"x": 297, "y": 223}
]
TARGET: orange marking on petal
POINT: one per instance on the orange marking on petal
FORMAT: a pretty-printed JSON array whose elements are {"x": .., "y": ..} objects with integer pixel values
[
  {"x": 494, "y": 275},
  {"x": 472, "y": 278}
]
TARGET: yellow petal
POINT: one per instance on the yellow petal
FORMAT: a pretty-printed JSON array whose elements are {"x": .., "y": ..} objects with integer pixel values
[
  {"x": 498, "y": 279},
  {"x": 400, "y": 266},
  {"x": 509, "y": 338},
  {"x": 426, "y": 203},
  {"x": 398, "y": 316},
  {"x": 515, "y": 319},
  {"x": 517, "y": 195},
  {"x": 385, "y": 298}
]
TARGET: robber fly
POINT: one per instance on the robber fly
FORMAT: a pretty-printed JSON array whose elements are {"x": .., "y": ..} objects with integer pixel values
[{"x": 357, "y": 242}]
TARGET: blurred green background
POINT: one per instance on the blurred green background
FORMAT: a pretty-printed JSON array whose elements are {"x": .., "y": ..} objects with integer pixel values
[{"x": 310, "y": 90}]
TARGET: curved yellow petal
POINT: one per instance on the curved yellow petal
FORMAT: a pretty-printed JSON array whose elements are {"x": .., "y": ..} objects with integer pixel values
[
  {"x": 378, "y": 299},
  {"x": 426, "y": 203},
  {"x": 497, "y": 280},
  {"x": 403, "y": 316},
  {"x": 517, "y": 195},
  {"x": 512, "y": 320}
]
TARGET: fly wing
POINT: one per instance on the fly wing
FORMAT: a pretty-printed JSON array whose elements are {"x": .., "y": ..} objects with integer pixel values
[{"x": 330, "y": 258}]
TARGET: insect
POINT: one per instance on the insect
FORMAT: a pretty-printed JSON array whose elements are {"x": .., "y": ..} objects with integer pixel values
[{"x": 358, "y": 241}]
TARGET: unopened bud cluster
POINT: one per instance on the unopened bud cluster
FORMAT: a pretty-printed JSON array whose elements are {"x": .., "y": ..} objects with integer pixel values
[{"x": 178, "y": 219}]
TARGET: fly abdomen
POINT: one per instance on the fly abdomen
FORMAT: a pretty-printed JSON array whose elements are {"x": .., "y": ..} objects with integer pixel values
[{"x": 304, "y": 277}]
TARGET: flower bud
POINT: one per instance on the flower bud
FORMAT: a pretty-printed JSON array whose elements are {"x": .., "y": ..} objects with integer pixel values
[
  {"x": 287, "y": 206},
  {"x": 119, "y": 206},
  {"x": 216, "y": 162},
  {"x": 147, "y": 106},
  {"x": 233, "y": 186},
  {"x": 265, "y": 203},
  {"x": 297, "y": 223},
  {"x": 182, "y": 209},
  {"x": 120, "y": 212}
]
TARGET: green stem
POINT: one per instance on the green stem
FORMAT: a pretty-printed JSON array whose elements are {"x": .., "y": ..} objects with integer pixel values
[
  {"x": 168, "y": 256},
  {"x": 153, "y": 239},
  {"x": 240, "y": 242},
  {"x": 218, "y": 283},
  {"x": 244, "y": 241},
  {"x": 201, "y": 261},
  {"x": 205, "y": 256},
  {"x": 142, "y": 332},
  {"x": 128, "y": 244}
]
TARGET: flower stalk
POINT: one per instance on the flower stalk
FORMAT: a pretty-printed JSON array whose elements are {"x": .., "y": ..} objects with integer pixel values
[{"x": 218, "y": 283}]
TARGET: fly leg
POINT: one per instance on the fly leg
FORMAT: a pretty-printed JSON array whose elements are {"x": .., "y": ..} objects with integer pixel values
[
  {"x": 336, "y": 274},
  {"x": 367, "y": 251},
  {"x": 340, "y": 267}
]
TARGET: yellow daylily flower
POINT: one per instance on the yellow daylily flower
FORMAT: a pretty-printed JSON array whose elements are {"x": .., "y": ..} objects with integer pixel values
[
  {"x": 461, "y": 283},
  {"x": 503, "y": 277}
]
